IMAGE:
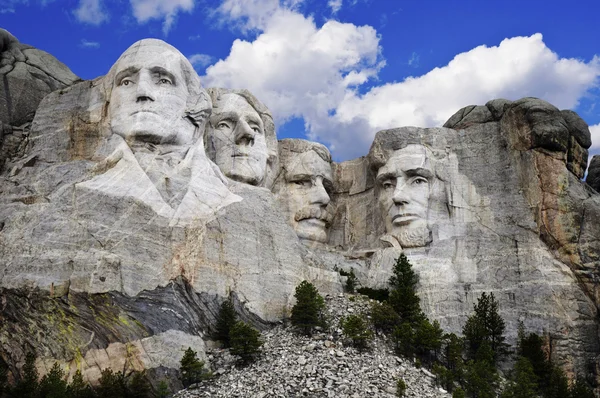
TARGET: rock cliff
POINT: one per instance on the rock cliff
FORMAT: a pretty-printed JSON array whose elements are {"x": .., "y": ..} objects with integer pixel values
[{"x": 120, "y": 237}]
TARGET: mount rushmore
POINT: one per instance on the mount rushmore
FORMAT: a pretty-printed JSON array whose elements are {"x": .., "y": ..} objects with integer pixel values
[{"x": 135, "y": 203}]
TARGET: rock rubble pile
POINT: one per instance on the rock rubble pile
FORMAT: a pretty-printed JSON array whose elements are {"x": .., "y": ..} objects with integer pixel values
[{"x": 323, "y": 365}]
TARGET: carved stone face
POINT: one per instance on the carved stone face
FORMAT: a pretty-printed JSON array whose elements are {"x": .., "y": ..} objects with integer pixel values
[
  {"x": 404, "y": 187},
  {"x": 236, "y": 140},
  {"x": 306, "y": 196},
  {"x": 149, "y": 96}
]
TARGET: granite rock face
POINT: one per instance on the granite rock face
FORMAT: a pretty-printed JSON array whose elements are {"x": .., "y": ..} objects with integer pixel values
[
  {"x": 593, "y": 177},
  {"x": 122, "y": 230}
]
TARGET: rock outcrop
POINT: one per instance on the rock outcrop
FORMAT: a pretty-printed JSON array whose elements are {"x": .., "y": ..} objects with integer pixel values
[
  {"x": 593, "y": 177},
  {"x": 120, "y": 237}
]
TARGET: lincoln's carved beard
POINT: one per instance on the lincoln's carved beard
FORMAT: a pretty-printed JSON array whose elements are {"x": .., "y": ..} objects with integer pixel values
[{"x": 416, "y": 234}]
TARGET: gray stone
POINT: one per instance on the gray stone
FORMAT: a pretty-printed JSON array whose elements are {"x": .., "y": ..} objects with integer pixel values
[{"x": 593, "y": 176}]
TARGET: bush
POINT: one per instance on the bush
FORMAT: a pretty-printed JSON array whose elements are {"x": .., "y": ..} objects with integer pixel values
[
  {"x": 380, "y": 295},
  {"x": 192, "y": 369},
  {"x": 245, "y": 341},
  {"x": 307, "y": 313},
  {"x": 355, "y": 329},
  {"x": 383, "y": 317},
  {"x": 400, "y": 388},
  {"x": 226, "y": 318}
]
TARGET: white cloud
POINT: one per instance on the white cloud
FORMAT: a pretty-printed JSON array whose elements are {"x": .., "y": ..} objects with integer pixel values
[
  {"x": 335, "y": 5},
  {"x": 145, "y": 10},
  {"x": 200, "y": 60},
  {"x": 88, "y": 44},
  {"x": 91, "y": 12},
  {"x": 301, "y": 70},
  {"x": 595, "y": 130}
]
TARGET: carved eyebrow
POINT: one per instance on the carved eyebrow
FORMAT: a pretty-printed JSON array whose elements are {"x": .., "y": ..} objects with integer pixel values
[
  {"x": 299, "y": 176},
  {"x": 419, "y": 171},
  {"x": 386, "y": 176},
  {"x": 162, "y": 71},
  {"x": 226, "y": 115},
  {"x": 126, "y": 72}
]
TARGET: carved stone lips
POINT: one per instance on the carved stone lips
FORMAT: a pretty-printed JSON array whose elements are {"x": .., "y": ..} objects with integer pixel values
[
  {"x": 404, "y": 218},
  {"x": 143, "y": 111}
]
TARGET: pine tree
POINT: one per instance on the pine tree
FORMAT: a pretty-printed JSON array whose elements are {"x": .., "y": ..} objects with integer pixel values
[
  {"x": 307, "y": 312},
  {"x": 531, "y": 346},
  {"x": 138, "y": 386},
  {"x": 163, "y": 389},
  {"x": 383, "y": 317},
  {"x": 79, "y": 388},
  {"x": 191, "y": 368},
  {"x": 245, "y": 341},
  {"x": 403, "y": 295},
  {"x": 428, "y": 340},
  {"x": 356, "y": 330},
  {"x": 54, "y": 384},
  {"x": 481, "y": 377},
  {"x": 485, "y": 325},
  {"x": 580, "y": 389},
  {"x": 404, "y": 340},
  {"x": 111, "y": 384},
  {"x": 458, "y": 393},
  {"x": 523, "y": 382},
  {"x": 28, "y": 386},
  {"x": 226, "y": 318},
  {"x": 558, "y": 385}
]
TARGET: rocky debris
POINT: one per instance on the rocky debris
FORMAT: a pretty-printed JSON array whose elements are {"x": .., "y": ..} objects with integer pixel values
[
  {"x": 593, "y": 177},
  {"x": 323, "y": 365}
]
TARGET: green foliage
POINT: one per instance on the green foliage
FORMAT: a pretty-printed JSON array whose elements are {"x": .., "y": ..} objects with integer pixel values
[
  {"x": 580, "y": 389},
  {"x": 444, "y": 376},
  {"x": 28, "y": 386},
  {"x": 163, "y": 389},
  {"x": 380, "y": 295},
  {"x": 485, "y": 325},
  {"x": 452, "y": 360},
  {"x": 428, "y": 340},
  {"x": 558, "y": 385},
  {"x": 79, "y": 388},
  {"x": 355, "y": 329},
  {"x": 53, "y": 384},
  {"x": 226, "y": 318},
  {"x": 458, "y": 393},
  {"x": 400, "y": 388},
  {"x": 481, "y": 377},
  {"x": 383, "y": 317},
  {"x": 192, "y": 369},
  {"x": 138, "y": 386},
  {"x": 307, "y": 313},
  {"x": 404, "y": 339},
  {"x": 111, "y": 384},
  {"x": 245, "y": 341},
  {"x": 350, "y": 280},
  {"x": 532, "y": 347},
  {"x": 523, "y": 383},
  {"x": 403, "y": 295}
]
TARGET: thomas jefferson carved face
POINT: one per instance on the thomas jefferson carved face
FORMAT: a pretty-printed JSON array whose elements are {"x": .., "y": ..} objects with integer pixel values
[
  {"x": 149, "y": 95},
  {"x": 404, "y": 188},
  {"x": 236, "y": 139},
  {"x": 306, "y": 195}
]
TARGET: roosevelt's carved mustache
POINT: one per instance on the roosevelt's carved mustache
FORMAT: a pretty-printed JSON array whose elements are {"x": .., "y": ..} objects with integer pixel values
[{"x": 314, "y": 212}]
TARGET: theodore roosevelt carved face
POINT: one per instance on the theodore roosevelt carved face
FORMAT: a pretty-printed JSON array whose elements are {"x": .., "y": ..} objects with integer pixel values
[
  {"x": 404, "y": 188},
  {"x": 304, "y": 188},
  {"x": 156, "y": 95}
]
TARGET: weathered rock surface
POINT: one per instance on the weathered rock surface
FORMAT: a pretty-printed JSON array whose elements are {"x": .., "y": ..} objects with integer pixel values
[
  {"x": 28, "y": 75},
  {"x": 130, "y": 236},
  {"x": 292, "y": 365},
  {"x": 593, "y": 177}
]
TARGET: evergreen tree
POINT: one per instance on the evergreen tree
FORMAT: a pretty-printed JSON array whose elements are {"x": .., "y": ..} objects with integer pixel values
[
  {"x": 485, "y": 325},
  {"x": 28, "y": 386},
  {"x": 191, "y": 368},
  {"x": 79, "y": 388},
  {"x": 523, "y": 383},
  {"x": 111, "y": 384},
  {"x": 226, "y": 318},
  {"x": 458, "y": 393},
  {"x": 400, "y": 388},
  {"x": 307, "y": 312},
  {"x": 558, "y": 385},
  {"x": 428, "y": 340},
  {"x": 403, "y": 295},
  {"x": 245, "y": 341},
  {"x": 580, "y": 389},
  {"x": 356, "y": 330},
  {"x": 138, "y": 386},
  {"x": 531, "y": 346},
  {"x": 163, "y": 389},
  {"x": 404, "y": 340},
  {"x": 481, "y": 377},
  {"x": 54, "y": 384},
  {"x": 383, "y": 317}
]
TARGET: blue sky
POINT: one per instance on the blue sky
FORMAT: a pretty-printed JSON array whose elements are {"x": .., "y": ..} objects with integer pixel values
[{"x": 337, "y": 71}]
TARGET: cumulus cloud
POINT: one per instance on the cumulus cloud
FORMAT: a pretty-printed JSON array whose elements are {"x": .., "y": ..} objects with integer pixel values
[
  {"x": 595, "y": 130},
  {"x": 145, "y": 10},
  {"x": 88, "y": 44},
  {"x": 319, "y": 73},
  {"x": 91, "y": 12},
  {"x": 200, "y": 60}
]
